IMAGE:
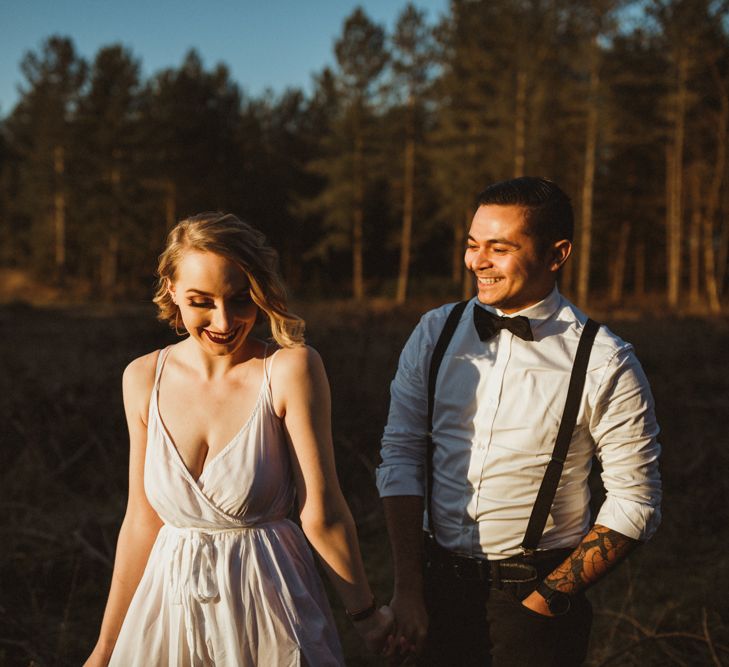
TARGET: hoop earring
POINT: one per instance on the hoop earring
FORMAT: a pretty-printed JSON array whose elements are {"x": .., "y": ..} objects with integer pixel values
[{"x": 184, "y": 331}]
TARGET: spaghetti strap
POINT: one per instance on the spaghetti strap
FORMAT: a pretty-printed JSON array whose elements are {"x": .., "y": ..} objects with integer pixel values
[
  {"x": 161, "y": 358},
  {"x": 268, "y": 365}
]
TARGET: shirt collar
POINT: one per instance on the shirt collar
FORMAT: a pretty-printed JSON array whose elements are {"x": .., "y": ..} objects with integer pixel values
[{"x": 537, "y": 313}]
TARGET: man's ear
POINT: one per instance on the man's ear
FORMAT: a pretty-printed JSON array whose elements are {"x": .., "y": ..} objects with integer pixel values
[{"x": 560, "y": 251}]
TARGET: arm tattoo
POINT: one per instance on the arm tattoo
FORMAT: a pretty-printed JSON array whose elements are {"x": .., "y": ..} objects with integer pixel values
[{"x": 600, "y": 550}]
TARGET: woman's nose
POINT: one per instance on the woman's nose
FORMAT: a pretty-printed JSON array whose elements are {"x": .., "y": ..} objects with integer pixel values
[{"x": 222, "y": 319}]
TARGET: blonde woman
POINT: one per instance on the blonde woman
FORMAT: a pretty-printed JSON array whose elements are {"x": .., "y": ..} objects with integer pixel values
[{"x": 224, "y": 431}]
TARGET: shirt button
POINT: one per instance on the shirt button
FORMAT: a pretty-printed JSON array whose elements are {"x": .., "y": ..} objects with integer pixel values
[{"x": 464, "y": 530}]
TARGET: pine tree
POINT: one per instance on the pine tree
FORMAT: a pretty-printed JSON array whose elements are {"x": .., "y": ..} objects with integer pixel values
[
  {"x": 108, "y": 140},
  {"x": 361, "y": 56},
  {"x": 412, "y": 54},
  {"x": 630, "y": 197},
  {"x": 192, "y": 120},
  {"x": 467, "y": 147},
  {"x": 40, "y": 131}
]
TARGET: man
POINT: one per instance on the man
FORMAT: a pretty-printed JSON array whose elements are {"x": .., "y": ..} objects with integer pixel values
[{"x": 486, "y": 596}]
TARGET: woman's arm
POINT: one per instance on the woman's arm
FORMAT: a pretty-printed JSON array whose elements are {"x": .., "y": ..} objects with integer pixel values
[
  {"x": 141, "y": 523},
  {"x": 301, "y": 398}
]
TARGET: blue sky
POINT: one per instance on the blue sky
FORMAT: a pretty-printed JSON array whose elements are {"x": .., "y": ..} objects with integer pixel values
[{"x": 265, "y": 43}]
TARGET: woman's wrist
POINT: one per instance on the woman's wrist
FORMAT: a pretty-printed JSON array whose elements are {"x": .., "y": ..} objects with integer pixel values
[
  {"x": 105, "y": 647},
  {"x": 362, "y": 614}
]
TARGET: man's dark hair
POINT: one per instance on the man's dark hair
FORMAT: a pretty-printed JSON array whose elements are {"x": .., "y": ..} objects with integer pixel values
[{"x": 547, "y": 209}]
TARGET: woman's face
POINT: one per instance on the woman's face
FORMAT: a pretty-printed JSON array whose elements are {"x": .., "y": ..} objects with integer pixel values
[{"x": 213, "y": 295}]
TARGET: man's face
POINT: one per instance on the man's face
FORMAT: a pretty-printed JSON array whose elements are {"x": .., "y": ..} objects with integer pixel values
[{"x": 512, "y": 271}]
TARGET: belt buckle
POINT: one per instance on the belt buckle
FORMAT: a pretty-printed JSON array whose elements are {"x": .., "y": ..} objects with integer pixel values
[
  {"x": 459, "y": 569},
  {"x": 468, "y": 568}
]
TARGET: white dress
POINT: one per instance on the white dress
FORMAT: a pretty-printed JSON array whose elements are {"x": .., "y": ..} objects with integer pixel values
[{"x": 230, "y": 581}]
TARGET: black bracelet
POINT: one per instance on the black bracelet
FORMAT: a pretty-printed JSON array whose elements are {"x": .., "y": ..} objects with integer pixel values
[{"x": 362, "y": 614}]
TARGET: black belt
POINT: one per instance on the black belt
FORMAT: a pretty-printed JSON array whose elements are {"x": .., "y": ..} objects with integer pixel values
[{"x": 514, "y": 570}]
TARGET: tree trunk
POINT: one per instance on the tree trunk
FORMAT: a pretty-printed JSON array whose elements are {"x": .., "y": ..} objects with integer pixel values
[
  {"x": 722, "y": 256},
  {"x": 59, "y": 212},
  {"x": 617, "y": 276},
  {"x": 695, "y": 236},
  {"x": 170, "y": 204},
  {"x": 459, "y": 247},
  {"x": 407, "y": 208},
  {"x": 710, "y": 272},
  {"x": 358, "y": 220},
  {"x": 110, "y": 266},
  {"x": 639, "y": 276},
  {"x": 466, "y": 276},
  {"x": 711, "y": 275},
  {"x": 588, "y": 182},
  {"x": 520, "y": 115},
  {"x": 110, "y": 253},
  {"x": 675, "y": 184}
]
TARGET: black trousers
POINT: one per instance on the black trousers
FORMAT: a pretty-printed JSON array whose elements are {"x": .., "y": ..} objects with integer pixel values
[{"x": 474, "y": 624}]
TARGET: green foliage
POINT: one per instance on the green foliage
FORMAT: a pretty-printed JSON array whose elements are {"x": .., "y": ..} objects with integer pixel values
[
  {"x": 96, "y": 163},
  {"x": 40, "y": 134}
]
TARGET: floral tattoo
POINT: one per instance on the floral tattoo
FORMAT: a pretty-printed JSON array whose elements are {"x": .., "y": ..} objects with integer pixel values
[{"x": 600, "y": 550}]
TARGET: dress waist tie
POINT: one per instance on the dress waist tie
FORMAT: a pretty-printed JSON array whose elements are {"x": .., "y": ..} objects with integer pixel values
[{"x": 193, "y": 579}]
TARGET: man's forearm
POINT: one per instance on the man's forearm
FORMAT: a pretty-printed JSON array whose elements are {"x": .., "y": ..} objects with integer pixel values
[
  {"x": 598, "y": 552},
  {"x": 404, "y": 519}
]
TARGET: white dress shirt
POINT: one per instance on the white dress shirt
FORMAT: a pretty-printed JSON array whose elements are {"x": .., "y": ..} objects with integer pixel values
[{"x": 498, "y": 406}]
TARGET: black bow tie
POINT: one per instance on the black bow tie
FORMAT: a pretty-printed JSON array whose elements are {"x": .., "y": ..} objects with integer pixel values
[{"x": 488, "y": 324}]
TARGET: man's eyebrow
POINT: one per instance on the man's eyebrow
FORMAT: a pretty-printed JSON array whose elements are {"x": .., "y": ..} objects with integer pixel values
[{"x": 500, "y": 241}]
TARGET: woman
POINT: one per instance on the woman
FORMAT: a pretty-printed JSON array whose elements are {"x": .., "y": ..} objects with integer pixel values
[{"x": 224, "y": 431}]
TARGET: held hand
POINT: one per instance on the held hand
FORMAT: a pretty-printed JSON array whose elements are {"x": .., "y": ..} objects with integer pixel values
[
  {"x": 376, "y": 629},
  {"x": 411, "y": 620}
]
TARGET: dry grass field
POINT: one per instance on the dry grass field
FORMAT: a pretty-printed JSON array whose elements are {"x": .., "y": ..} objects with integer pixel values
[{"x": 63, "y": 464}]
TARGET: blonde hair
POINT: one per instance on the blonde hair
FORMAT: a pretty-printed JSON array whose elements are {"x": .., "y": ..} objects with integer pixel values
[{"x": 226, "y": 235}]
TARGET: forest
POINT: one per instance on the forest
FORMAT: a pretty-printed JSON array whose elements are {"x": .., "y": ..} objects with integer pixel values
[{"x": 367, "y": 183}]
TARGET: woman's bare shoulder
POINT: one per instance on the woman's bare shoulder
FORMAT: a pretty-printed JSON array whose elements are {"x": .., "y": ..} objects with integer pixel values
[
  {"x": 138, "y": 377},
  {"x": 299, "y": 361},
  {"x": 297, "y": 373}
]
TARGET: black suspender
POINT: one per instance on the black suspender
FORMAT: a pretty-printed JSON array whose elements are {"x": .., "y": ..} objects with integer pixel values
[
  {"x": 438, "y": 351},
  {"x": 548, "y": 488}
]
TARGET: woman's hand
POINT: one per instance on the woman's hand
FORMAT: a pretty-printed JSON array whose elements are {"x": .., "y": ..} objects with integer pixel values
[{"x": 376, "y": 629}]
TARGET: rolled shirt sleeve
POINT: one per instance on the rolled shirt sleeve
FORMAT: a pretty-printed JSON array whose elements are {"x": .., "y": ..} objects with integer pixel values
[
  {"x": 625, "y": 431},
  {"x": 404, "y": 442}
]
